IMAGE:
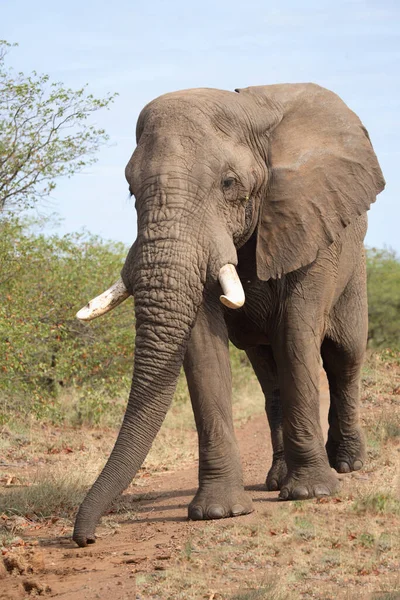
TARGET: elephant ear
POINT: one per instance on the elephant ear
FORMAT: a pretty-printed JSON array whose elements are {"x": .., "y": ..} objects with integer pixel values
[{"x": 323, "y": 173}]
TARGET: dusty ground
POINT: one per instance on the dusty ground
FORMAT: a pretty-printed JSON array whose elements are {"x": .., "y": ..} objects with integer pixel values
[{"x": 342, "y": 547}]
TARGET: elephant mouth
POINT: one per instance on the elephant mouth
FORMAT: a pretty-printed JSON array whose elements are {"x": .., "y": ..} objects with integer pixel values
[{"x": 232, "y": 297}]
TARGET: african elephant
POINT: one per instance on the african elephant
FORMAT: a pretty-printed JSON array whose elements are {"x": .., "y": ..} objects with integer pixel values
[{"x": 275, "y": 181}]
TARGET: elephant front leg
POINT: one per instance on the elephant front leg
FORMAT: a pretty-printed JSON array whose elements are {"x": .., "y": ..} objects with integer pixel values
[
  {"x": 208, "y": 373},
  {"x": 309, "y": 474}
]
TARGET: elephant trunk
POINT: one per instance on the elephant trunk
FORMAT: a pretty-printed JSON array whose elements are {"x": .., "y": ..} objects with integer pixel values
[{"x": 167, "y": 296}]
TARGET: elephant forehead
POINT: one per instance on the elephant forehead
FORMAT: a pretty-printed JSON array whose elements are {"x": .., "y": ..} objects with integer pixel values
[
  {"x": 167, "y": 142},
  {"x": 162, "y": 155},
  {"x": 172, "y": 112},
  {"x": 189, "y": 110},
  {"x": 180, "y": 154}
]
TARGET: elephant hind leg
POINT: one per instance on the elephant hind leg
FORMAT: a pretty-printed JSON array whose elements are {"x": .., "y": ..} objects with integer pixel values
[
  {"x": 263, "y": 363},
  {"x": 343, "y": 351}
]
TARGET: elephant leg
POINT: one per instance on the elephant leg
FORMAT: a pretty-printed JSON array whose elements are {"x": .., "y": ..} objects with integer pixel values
[
  {"x": 264, "y": 366},
  {"x": 343, "y": 353},
  {"x": 297, "y": 352},
  {"x": 208, "y": 373}
]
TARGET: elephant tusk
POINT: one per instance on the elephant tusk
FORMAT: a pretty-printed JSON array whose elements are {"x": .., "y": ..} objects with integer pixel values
[
  {"x": 233, "y": 295},
  {"x": 102, "y": 304}
]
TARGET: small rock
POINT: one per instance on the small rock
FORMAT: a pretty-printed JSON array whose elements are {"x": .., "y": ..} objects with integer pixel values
[
  {"x": 32, "y": 586},
  {"x": 134, "y": 561}
]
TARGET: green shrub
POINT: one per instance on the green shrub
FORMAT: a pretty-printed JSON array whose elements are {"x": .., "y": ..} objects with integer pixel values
[
  {"x": 383, "y": 270},
  {"x": 43, "y": 347}
]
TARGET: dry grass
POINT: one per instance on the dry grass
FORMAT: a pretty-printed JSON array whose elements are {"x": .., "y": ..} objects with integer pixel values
[
  {"x": 385, "y": 427},
  {"x": 266, "y": 591},
  {"x": 57, "y": 493},
  {"x": 187, "y": 583},
  {"x": 312, "y": 550}
]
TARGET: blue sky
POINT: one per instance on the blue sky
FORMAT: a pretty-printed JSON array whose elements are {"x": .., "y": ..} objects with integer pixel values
[{"x": 144, "y": 49}]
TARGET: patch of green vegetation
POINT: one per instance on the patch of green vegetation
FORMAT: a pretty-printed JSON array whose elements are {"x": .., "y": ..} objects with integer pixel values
[
  {"x": 7, "y": 536},
  {"x": 383, "y": 272},
  {"x": 304, "y": 529},
  {"x": 299, "y": 505},
  {"x": 377, "y": 503},
  {"x": 45, "y": 352},
  {"x": 373, "y": 446},
  {"x": 188, "y": 549},
  {"x": 367, "y": 540}
]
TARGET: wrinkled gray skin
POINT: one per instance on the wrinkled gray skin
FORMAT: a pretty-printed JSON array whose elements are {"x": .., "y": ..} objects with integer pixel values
[{"x": 276, "y": 180}]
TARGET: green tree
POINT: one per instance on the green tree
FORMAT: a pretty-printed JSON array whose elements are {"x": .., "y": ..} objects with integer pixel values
[
  {"x": 44, "y": 133},
  {"x": 383, "y": 270},
  {"x": 44, "y": 280}
]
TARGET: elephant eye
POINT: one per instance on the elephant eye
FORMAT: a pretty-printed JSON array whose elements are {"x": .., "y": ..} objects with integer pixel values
[{"x": 228, "y": 182}]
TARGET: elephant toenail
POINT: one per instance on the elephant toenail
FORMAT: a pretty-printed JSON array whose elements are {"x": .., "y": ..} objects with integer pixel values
[
  {"x": 300, "y": 493},
  {"x": 215, "y": 512},
  {"x": 196, "y": 513},
  {"x": 321, "y": 490},
  {"x": 272, "y": 485},
  {"x": 284, "y": 494},
  {"x": 357, "y": 465},
  {"x": 343, "y": 467},
  {"x": 237, "y": 509}
]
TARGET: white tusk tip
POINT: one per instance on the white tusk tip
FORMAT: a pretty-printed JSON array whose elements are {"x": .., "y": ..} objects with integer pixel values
[
  {"x": 102, "y": 304},
  {"x": 233, "y": 296},
  {"x": 231, "y": 304},
  {"x": 84, "y": 314}
]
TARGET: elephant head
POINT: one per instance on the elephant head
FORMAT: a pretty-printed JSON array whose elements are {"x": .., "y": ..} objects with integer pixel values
[{"x": 288, "y": 165}]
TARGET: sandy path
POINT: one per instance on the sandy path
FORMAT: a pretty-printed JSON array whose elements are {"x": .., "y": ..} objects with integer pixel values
[{"x": 108, "y": 569}]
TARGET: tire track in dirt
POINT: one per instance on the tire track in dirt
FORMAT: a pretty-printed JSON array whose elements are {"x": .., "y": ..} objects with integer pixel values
[{"x": 149, "y": 541}]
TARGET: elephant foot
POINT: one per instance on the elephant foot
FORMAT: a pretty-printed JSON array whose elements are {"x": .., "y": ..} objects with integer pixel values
[
  {"x": 219, "y": 501},
  {"x": 346, "y": 454},
  {"x": 276, "y": 474},
  {"x": 309, "y": 482}
]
